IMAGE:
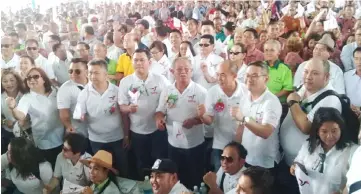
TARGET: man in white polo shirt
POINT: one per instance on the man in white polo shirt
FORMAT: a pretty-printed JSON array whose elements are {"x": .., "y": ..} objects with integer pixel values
[
  {"x": 8, "y": 58},
  {"x": 32, "y": 49},
  {"x": 177, "y": 112},
  {"x": 296, "y": 126},
  {"x": 97, "y": 106},
  {"x": 204, "y": 73},
  {"x": 259, "y": 112},
  {"x": 164, "y": 178},
  {"x": 138, "y": 99},
  {"x": 323, "y": 49},
  {"x": 68, "y": 94},
  {"x": 220, "y": 98},
  {"x": 68, "y": 165}
]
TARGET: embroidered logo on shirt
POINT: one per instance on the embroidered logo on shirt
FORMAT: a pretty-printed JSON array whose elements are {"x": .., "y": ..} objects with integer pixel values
[
  {"x": 302, "y": 183},
  {"x": 191, "y": 98},
  {"x": 154, "y": 90}
]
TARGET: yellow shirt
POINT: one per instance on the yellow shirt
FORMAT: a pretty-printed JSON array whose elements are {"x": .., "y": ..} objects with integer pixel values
[{"x": 125, "y": 65}]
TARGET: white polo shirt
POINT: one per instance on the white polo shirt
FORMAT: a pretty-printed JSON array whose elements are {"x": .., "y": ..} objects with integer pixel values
[
  {"x": 67, "y": 98},
  {"x": 353, "y": 87},
  {"x": 266, "y": 109},
  {"x": 218, "y": 49},
  {"x": 142, "y": 121},
  {"x": 184, "y": 108},
  {"x": 241, "y": 74},
  {"x": 76, "y": 174},
  {"x": 101, "y": 112},
  {"x": 212, "y": 61},
  {"x": 178, "y": 188},
  {"x": 230, "y": 181},
  {"x": 43, "y": 63},
  {"x": 31, "y": 184},
  {"x": 336, "y": 77},
  {"x": 224, "y": 125},
  {"x": 46, "y": 126},
  {"x": 334, "y": 170},
  {"x": 6, "y": 111},
  {"x": 61, "y": 69},
  {"x": 291, "y": 137},
  {"x": 353, "y": 174},
  {"x": 13, "y": 63},
  {"x": 161, "y": 67}
]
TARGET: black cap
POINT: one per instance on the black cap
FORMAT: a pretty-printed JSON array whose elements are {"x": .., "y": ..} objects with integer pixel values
[
  {"x": 230, "y": 26},
  {"x": 164, "y": 166}
]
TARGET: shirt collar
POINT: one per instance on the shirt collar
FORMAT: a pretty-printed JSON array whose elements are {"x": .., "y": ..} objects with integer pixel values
[
  {"x": 312, "y": 97},
  {"x": 107, "y": 60},
  {"x": 259, "y": 99},
  {"x": 275, "y": 64},
  {"x": 190, "y": 85},
  {"x": 101, "y": 185}
]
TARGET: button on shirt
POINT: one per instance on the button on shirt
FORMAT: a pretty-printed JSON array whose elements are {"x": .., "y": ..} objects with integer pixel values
[
  {"x": 61, "y": 69},
  {"x": 185, "y": 107},
  {"x": 291, "y": 137},
  {"x": 101, "y": 113},
  {"x": 230, "y": 181},
  {"x": 335, "y": 167},
  {"x": 67, "y": 98},
  {"x": 161, "y": 67},
  {"x": 336, "y": 77},
  {"x": 353, "y": 87},
  {"x": 45, "y": 123},
  {"x": 224, "y": 125},
  {"x": 44, "y": 64},
  {"x": 13, "y": 63},
  {"x": 31, "y": 184},
  {"x": 142, "y": 121},
  {"x": 353, "y": 174},
  {"x": 77, "y": 174},
  {"x": 266, "y": 109}
]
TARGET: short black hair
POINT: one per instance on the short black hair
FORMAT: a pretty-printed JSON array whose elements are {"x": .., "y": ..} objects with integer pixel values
[
  {"x": 100, "y": 62},
  {"x": 209, "y": 37},
  {"x": 161, "y": 31},
  {"x": 77, "y": 142},
  {"x": 12, "y": 34},
  {"x": 56, "y": 46},
  {"x": 273, "y": 22},
  {"x": 261, "y": 64},
  {"x": 80, "y": 60},
  {"x": 262, "y": 179},
  {"x": 109, "y": 36},
  {"x": 358, "y": 49},
  {"x": 176, "y": 31},
  {"x": 242, "y": 152},
  {"x": 55, "y": 37},
  {"x": 87, "y": 47},
  {"x": 89, "y": 30},
  {"x": 194, "y": 20},
  {"x": 207, "y": 23},
  {"x": 21, "y": 25},
  {"x": 243, "y": 47},
  {"x": 253, "y": 31},
  {"x": 145, "y": 51}
]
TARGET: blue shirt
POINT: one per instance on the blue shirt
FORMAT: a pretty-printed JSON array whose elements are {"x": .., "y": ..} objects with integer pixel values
[{"x": 347, "y": 56}]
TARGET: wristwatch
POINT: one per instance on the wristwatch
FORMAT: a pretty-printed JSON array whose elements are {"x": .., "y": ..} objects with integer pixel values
[
  {"x": 245, "y": 120},
  {"x": 292, "y": 102}
]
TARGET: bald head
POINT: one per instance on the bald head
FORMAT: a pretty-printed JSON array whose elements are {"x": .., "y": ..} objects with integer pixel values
[{"x": 316, "y": 74}]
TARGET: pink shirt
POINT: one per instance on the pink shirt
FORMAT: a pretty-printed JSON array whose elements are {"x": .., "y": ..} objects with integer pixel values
[{"x": 252, "y": 56}]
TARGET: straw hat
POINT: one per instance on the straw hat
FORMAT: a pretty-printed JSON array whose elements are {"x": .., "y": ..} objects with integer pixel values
[
  {"x": 328, "y": 41},
  {"x": 101, "y": 158}
]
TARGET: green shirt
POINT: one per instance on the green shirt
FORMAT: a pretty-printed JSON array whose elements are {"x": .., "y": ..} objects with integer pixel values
[
  {"x": 112, "y": 67},
  {"x": 221, "y": 36},
  {"x": 280, "y": 78}
]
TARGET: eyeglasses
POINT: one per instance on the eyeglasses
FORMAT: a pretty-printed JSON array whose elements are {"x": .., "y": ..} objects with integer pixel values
[
  {"x": 204, "y": 45},
  {"x": 76, "y": 71},
  {"x": 234, "y": 53},
  {"x": 31, "y": 48},
  {"x": 254, "y": 76},
  {"x": 35, "y": 77},
  {"x": 227, "y": 159},
  {"x": 5, "y": 45},
  {"x": 65, "y": 149}
]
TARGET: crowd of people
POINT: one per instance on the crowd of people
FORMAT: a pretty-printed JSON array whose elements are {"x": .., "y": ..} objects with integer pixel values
[{"x": 239, "y": 96}]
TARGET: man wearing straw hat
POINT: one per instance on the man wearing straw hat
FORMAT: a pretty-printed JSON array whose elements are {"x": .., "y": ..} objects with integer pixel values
[{"x": 102, "y": 174}]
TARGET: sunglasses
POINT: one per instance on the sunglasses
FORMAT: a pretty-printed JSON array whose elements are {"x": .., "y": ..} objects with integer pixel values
[
  {"x": 227, "y": 159},
  {"x": 35, "y": 77},
  {"x": 76, "y": 71},
  {"x": 31, "y": 48},
  {"x": 234, "y": 53},
  {"x": 204, "y": 45},
  {"x": 5, "y": 45}
]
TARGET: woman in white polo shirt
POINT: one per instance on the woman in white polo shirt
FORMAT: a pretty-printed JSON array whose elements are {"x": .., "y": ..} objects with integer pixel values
[
  {"x": 39, "y": 102},
  {"x": 28, "y": 169},
  {"x": 327, "y": 153},
  {"x": 12, "y": 86},
  {"x": 160, "y": 62}
]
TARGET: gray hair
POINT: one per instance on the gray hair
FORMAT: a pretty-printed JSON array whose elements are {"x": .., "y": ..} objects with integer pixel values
[
  {"x": 260, "y": 64},
  {"x": 325, "y": 63},
  {"x": 232, "y": 66},
  {"x": 181, "y": 59},
  {"x": 101, "y": 62},
  {"x": 276, "y": 43}
]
